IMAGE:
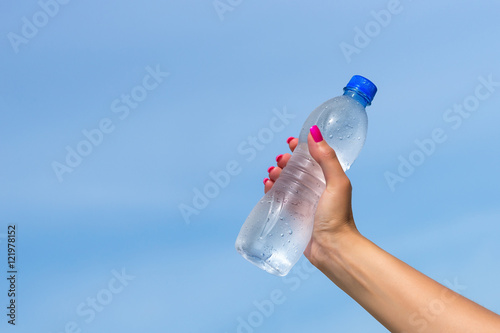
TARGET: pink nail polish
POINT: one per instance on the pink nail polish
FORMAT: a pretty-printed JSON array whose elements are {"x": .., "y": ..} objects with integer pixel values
[
  {"x": 278, "y": 158},
  {"x": 316, "y": 134},
  {"x": 289, "y": 139},
  {"x": 270, "y": 169},
  {"x": 265, "y": 180}
]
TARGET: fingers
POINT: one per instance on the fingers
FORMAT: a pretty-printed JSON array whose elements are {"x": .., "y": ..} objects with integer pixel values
[
  {"x": 292, "y": 143},
  {"x": 326, "y": 157},
  {"x": 281, "y": 160},
  {"x": 274, "y": 173},
  {"x": 320, "y": 151},
  {"x": 268, "y": 183}
]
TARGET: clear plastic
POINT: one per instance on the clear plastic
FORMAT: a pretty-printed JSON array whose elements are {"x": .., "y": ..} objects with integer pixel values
[{"x": 278, "y": 229}]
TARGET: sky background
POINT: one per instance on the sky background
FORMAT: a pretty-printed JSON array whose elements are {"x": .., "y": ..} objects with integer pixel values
[{"x": 229, "y": 67}]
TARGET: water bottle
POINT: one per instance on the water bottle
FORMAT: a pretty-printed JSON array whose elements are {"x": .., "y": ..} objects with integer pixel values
[{"x": 278, "y": 229}]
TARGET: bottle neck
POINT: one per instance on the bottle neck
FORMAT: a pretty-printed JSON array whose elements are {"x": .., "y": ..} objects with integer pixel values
[{"x": 357, "y": 95}]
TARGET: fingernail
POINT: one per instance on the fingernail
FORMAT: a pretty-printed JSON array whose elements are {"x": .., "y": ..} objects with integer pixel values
[
  {"x": 316, "y": 134},
  {"x": 289, "y": 139},
  {"x": 265, "y": 180},
  {"x": 278, "y": 158},
  {"x": 270, "y": 169}
]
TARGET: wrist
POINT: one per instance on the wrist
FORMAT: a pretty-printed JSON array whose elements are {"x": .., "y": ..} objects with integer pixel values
[{"x": 331, "y": 248}]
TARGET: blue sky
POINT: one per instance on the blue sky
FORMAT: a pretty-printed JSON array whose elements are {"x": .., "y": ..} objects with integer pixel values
[{"x": 118, "y": 209}]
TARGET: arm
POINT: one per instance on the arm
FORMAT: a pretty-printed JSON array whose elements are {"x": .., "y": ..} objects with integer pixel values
[{"x": 398, "y": 296}]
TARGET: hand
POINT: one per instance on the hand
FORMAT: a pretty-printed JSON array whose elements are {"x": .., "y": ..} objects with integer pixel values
[
  {"x": 392, "y": 291},
  {"x": 333, "y": 217}
]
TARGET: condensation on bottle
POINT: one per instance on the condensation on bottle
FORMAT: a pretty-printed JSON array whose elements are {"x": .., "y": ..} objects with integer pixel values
[{"x": 278, "y": 229}]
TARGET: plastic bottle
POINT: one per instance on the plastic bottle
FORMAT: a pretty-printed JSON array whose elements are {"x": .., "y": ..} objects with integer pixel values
[{"x": 278, "y": 229}]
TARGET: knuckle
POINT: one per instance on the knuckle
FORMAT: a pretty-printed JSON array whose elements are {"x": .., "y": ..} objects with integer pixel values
[
  {"x": 328, "y": 153},
  {"x": 342, "y": 184},
  {"x": 345, "y": 183}
]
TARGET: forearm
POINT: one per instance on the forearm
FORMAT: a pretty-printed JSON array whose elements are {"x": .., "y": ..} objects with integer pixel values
[{"x": 398, "y": 296}]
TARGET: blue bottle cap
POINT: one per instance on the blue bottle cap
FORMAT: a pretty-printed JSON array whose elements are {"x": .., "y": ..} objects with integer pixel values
[{"x": 363, "y": 86}]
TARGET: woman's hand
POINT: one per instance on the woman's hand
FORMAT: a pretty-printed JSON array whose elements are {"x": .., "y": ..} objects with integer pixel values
[
  {"x": 333, "y": 216},
  {"x": 396, "y": 294}
]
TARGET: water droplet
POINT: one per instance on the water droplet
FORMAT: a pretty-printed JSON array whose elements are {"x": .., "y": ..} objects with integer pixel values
[
  {"x": 290, "y": 232},
  {"x": 359, "y": 138},
  {"x": 288, "y": 241},
  {"x": 281, "y": 218},
  {"x": 282, "y": 235},
  {"x": 330, "y": 136},
  {"x": 341, "y": 138},
  {"x": 348, "y": 135}
]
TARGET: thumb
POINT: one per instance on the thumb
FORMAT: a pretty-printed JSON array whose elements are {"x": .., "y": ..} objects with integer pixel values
[{"x": 325, "y": 156}]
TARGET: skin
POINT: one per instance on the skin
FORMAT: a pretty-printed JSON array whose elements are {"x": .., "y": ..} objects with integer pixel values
[{"x": 398, "y": 296}]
